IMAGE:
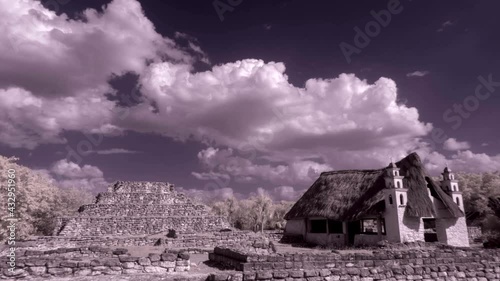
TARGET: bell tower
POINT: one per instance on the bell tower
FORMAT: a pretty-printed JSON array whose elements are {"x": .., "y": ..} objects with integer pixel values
[
  {"x": 396, "y": 198},
  {"x": 397, "y": 194},
  {"x": 450, "y": 185}
]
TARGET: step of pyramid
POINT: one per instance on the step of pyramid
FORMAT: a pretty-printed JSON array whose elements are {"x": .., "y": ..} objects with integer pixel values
[
  {"x": 141, "y": 187},
  {"x": 100, "y": 226},
  {"x": 135, "y": 210},
  {"x": 142, "y": 198}
]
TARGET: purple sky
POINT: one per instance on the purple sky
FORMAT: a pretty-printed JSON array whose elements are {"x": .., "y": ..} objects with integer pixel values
[{"x": 263, "y": 95}]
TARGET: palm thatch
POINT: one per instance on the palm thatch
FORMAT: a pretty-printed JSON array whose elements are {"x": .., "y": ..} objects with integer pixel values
[{"x": 352, "y": 194}]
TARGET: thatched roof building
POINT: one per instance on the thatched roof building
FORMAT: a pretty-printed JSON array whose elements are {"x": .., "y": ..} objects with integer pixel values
[
  {"x": 351, "y": 195},
  {"x": 347, "y": 195}
]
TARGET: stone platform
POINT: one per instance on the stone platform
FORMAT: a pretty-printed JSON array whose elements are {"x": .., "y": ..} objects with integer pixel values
[{"x": 140, "y": 208}]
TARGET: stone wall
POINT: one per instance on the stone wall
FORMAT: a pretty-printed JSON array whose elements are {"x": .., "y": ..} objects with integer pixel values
[
  {"x": 193, "y": 242},
  {"x": 107, "y": 210},
  {"x": 92, "y": 261},
  {"x": 438, "y": 264},
  {"x": 123, "y": 226},
  {"x": 141, "y": 198},
  {"x": 455, "y": 230}
]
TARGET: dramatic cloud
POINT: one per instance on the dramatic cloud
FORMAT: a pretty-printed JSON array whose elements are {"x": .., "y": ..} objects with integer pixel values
[
  {"x": 224, "y": 165},
  {"x": 69, "y": 174},
  {"x": 27, "y": 120},
  {"x": 54, "y": 71},
  {"x": 453, "y": 145},
  {"x": 257, "y": 126},
  {"x": 193, "y": 46},
  {"x": 52, "y": 55},
  {"x": 417, "y": 73}
]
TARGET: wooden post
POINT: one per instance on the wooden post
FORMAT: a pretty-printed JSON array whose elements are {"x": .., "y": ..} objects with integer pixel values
[
  {"x": 379, "y": 228},
  {"x": 346, "y": 233}
]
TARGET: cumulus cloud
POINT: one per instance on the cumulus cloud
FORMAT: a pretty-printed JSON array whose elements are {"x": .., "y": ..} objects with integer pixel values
[
  {"x": 453, "y": 145},
  {"x": 250, "y": 105},
  {"x": 208, "y": 195},
  {"x": 27, "y": 120},
  {"x": 70, "y": 174},
  {"x": 418, "y": 73},
  {"x": 53, "y": 55},
  {"x": 193, "y": 46},
  {"x": 54, "y": 75},
  {"x": 286, "y": 193},
  {"x": 223, "y": 164},
  {"x": 54, "y": 70}
]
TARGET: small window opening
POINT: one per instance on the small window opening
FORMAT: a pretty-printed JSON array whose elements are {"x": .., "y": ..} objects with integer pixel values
[
  {"x": 401, "y": 199},
  {"x": 318, "y": 226}
]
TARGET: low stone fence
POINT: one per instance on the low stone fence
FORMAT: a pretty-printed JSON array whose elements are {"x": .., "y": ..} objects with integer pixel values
[
  {"x": 90, "y": 261},
  {"x": 187, "y": 241},
  {"x": 438, "y": 264}
]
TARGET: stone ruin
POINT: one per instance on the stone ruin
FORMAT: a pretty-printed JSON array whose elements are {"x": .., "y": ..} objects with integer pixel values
[{"x": 140, "y": 208}]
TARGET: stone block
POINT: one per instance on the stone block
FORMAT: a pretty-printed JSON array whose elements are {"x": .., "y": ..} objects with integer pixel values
[
  {"x": 311, "y": 273},
  {"x": 111, "y": 262},
  {"x": 128, "y": 259},
  {"x": 131, "y": 271},
  {"x": 71, "y": 264},
  {"x": 182, "y": 268},
  {"x": 263, "y": 275},
  {"x": 297, "y": 273},
  {"x": 154, "y": 257},
  {"x": 167, "y": 264},
  {"x": 120, "y": 251},
  {"x": 60, "y": 271},
  {"x": 37, "y": 270},
  {"x": 154, "y": 269},
  {"x": 168, "y": 257},
  {"x": 182, "y": 263},
  {"x": 280, "y": 274},
  {"x": 249, "y": 276},
  {"x": 83, "y": 272}
]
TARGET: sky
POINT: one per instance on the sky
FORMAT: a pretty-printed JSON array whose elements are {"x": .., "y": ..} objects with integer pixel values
[{"x": 235, "y": 97}]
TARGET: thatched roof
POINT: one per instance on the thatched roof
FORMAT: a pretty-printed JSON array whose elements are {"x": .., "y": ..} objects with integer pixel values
[{"x": 352, "y": 194}]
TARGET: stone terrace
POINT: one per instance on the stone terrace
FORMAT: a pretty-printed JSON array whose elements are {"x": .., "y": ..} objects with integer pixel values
[
  {"x": 139, "y": 208},
  {"x": 410, "y": 264}
]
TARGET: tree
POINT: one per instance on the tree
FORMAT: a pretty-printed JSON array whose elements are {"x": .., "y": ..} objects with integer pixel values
[
  {"x": 278, "y": 218},
  {"x": 262, "y": 209},
  {"x": 38, "y": 200},
  {"x": 476, "y": 191}
]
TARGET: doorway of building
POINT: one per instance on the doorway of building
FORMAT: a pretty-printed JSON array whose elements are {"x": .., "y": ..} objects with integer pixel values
[
  {"x": 353, "y": 228},
  {"x": 430, "y": 233}
]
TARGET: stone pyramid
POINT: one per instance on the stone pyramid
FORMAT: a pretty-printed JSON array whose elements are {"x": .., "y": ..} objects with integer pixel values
[{"x": 140, "y": 208}]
